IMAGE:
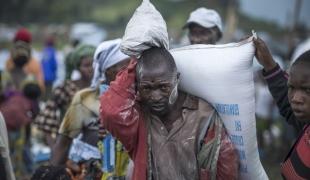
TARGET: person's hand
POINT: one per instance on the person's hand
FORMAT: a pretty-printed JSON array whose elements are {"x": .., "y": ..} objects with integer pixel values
[
  {"x": 73, "y": 167},
  {"x": 75, "y": 171},
  {"x": 126, "y": 77},
  {"x": 263, "y": 54},
  {"x": 132, "y": 66},
  {"x": 102, "y": 131}
]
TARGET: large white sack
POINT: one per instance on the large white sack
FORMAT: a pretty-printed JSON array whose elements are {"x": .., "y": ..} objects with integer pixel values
[
  {"x": 146, "y": 29},
  {"x": 223, "y": 76}
]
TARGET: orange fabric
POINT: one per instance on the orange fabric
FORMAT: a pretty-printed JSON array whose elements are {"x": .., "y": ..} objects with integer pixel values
[{"x": 32, "y": 67}]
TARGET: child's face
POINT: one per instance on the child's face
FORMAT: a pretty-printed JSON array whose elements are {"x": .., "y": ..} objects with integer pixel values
[{"x": 299, "y": 91}]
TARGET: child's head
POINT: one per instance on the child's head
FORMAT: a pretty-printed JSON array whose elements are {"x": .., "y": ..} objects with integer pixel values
[
  {"x": 299, "y": 87},
  {"x": 32, "y": 90},
  {"x": 51, "y": 173}
]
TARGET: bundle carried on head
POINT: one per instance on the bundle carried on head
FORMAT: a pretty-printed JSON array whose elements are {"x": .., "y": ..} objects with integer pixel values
[{"x": 146, "y": 29}]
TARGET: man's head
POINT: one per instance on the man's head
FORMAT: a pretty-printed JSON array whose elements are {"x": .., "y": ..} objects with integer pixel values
[
  {"x": 32, "y": 90},
  {"x": 157, "y": 80},
  {"x": 299, "y": 87},
  {"x": 205, "y": 26},
  {"x": 50, "y": 41}
]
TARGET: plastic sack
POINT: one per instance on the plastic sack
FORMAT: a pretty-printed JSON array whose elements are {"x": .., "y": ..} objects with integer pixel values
[
  {"x": 81, "y": 151},
  {"x": 146, "y": 29},
  {"x": 223, "y": 76}
]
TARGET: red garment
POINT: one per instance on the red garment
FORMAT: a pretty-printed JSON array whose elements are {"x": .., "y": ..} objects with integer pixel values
[
  {"x": 120, "y": 98},
  {"x": 17, "y": 111},
  {"x": 227, "y": 163},
  {"x": 23, "y": 35},
  {"x": 297, "y": 163}
]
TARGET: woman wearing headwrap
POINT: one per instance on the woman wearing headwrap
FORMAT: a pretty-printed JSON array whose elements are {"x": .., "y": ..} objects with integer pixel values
[
  {"x": 48, "y": 120},
  {"x": 81, "y": 124},
  {"x": 13, "y": 78},
  {"x": 32, "y": 66}
]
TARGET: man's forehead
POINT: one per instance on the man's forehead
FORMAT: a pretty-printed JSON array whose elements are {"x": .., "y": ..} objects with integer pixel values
[
  {"x": 300, "y": 73},
  {"x": 155, "y": 82},
  {"x": 155, "y": 71},
  {"x": 157, "y": 75}
]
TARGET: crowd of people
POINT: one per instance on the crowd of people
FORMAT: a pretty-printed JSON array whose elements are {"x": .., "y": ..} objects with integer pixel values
[{"x": 124, "y": 117}]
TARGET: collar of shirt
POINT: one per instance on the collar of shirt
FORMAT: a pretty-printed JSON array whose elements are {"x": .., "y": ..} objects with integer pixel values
[{"x": 190, "y": 103}]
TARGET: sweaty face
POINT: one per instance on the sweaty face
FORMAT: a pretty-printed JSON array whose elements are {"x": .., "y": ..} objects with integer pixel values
[
  {"x": 299, "y": 91},
  {"x": 200, "y": 35},
  {"x": 86, "y": 67},
  {"x": 112, "y": 71},
  {"x": 155, "y": 87}
]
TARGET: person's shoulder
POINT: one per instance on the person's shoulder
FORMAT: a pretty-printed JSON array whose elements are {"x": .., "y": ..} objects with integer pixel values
[
  {"x": 33, "y": 65},
  {"x": 194, "y": 102},
  {"x": 34, "y": 61},
  {"x": 87, "y": 99},
  {"x": 84, "y": 95},
  {"x": 204, "y": 105}
]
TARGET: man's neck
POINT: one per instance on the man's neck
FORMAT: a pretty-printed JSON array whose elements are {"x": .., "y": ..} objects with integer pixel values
[{"x": 174, "y": 113}]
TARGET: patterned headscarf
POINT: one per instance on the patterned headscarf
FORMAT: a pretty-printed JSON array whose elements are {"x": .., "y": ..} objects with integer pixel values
[
  {"x": 107, "y": 54},
  {"x": 73, "y": 59},
  {"x": 20, "y": 48}
]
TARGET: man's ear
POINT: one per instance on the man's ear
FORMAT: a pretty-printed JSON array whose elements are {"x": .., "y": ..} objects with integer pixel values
[
  {"x": 138, "y": 97},
  {"x": 178, "y": 76}
]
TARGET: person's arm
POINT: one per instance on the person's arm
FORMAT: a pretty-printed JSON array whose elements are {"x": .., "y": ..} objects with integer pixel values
[
  {"x": 71, "y": 126},
  {"x": 277, "y": 82},
  {"x": 118, "y": 110},
  {"x": 60, "y": 150}
]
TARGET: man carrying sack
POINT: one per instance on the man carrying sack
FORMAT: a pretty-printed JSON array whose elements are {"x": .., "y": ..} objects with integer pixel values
[{"x": 168, "y": 133}]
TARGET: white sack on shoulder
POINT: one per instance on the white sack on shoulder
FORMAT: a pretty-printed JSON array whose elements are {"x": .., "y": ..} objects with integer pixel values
[
  {"x": 146, "y": 29},
  {"x": 223, "y": 76}
]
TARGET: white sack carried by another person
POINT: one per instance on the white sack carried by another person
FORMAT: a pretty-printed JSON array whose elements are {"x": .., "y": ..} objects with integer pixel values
[
  {"x": 146, "y": 29},
  {"x": 223, "y": 76}
]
